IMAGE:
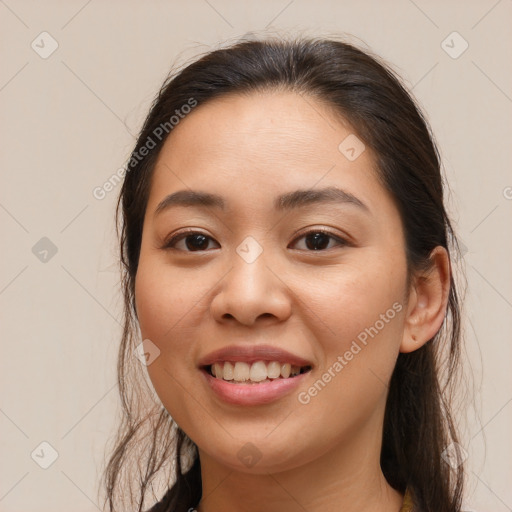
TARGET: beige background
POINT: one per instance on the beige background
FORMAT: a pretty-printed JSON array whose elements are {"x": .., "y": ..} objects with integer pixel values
[{"x": 66, "y": 126}]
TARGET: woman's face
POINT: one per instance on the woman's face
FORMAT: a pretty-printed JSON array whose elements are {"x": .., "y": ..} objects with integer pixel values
[{"x": 334, "y": 302}]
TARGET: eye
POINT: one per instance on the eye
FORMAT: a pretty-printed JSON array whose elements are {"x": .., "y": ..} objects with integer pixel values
[
  {"x": 194, "y": 241},
  {"x": 319, "y": 239}
]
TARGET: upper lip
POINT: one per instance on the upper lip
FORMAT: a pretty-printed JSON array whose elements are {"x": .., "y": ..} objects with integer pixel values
[{"x": 251, "y": 354}]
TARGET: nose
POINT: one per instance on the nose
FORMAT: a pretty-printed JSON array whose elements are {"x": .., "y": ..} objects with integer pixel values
[{"x": 250, "y": 293}]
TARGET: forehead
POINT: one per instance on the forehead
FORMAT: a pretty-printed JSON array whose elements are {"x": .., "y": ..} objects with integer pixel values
[
  {"x": 243, "y": 126},
  {"x": 261, "y": 145}
]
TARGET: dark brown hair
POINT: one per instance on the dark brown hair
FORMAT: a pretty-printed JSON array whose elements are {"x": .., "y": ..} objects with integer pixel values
[{"x": 365, "y": 91}]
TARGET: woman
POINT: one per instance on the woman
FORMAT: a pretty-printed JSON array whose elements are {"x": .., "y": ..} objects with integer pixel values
[{"x": 287, "y": 258}]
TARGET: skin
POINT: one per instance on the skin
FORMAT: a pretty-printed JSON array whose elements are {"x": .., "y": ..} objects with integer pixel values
[{"x": 320, "y": 456}]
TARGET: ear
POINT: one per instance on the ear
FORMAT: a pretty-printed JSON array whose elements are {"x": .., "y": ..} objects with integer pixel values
[{"x": 428, "y": 300}]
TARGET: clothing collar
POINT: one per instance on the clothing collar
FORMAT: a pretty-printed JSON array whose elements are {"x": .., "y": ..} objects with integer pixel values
[{"x": 407, "y": 504}]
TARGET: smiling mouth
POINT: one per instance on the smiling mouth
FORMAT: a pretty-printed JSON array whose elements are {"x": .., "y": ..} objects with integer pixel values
[{"x": 259, "y": 372}]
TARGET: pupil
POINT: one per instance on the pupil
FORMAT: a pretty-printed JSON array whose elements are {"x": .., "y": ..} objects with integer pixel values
[
  {"x": 203, "y": 242},
  {"x": 317, "y": 240}
]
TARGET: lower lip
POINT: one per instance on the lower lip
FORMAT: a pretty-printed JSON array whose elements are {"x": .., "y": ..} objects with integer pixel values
[{"x": 253, "y": 394}]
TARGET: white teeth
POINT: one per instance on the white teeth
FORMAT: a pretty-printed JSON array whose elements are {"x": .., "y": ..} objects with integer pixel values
[
  {"x": 273, "y": 370},
  {"x": 228, "y": 371},
  {"x": 217, "y": 370},
  {"x": 255, "y": 372},
  {"x": 241, "y": 371},
  {"x": 258, "y": 371}
]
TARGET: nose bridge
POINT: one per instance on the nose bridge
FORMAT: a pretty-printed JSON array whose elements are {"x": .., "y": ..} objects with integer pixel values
[
  {"x": 250, "y": 269},
  {"x": 251, "y": 288},
  {"x": 250, "y": 250}
]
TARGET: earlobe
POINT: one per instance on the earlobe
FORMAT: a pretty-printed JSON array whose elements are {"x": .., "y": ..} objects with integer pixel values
[{"x": 428, "y": 300}]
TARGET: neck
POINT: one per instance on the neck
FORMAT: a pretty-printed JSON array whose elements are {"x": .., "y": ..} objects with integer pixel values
[{"x": 346, "y": 477}]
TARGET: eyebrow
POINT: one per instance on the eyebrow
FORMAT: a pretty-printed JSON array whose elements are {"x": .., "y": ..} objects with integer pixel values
[{"x": 288, "y": 201}]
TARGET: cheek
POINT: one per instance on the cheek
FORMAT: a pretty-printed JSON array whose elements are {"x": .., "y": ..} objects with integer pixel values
[
  {"x": 359, "y": 329},
  {"x": 164, "y": 299},
  {"x": 351, "y": 300},
  {"x": 166, "y": 305},
  {"x": 357, "y": 319}
]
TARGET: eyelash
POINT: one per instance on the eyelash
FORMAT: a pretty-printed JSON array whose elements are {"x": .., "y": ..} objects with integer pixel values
[{"x": 168, "y": 244}]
